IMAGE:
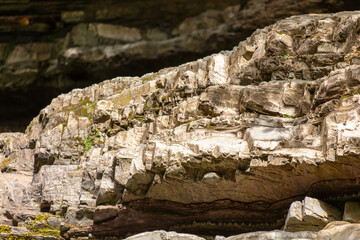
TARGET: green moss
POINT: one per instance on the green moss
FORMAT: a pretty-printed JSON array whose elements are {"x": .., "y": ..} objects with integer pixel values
[
  {"x": 287, "y": 116},
  {"x": 88, "y": 143},
  {"x": 350, "y": 95},
  {"x": 145, "y": 106},
  {"x": 47, "y": 230},
  {"x": 40, "y": 218},
  {"x": 188, "y": 127},
  {"x": 5, "y": 163},
  {"x": 148, "y": 77},
  {"x": 25, "y": 237},
  {"x": 317, "y": 36},
  {"x": 4, "y": 229},
  {"x": 188, "y": 124},
  {"x": 141, "y": 119},
  {"x": 284, "y": 54},
  {"x": 281, "y": 33},
  {"x": 85, "y": 108},
  {"x": 311, "y": 96},
  {"x": 210, "y": 127}
]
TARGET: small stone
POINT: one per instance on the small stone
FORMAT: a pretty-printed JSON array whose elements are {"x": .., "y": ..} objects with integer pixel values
[
  {"x": 211, "y": 178},
  {"x": 54, "y": 222}
]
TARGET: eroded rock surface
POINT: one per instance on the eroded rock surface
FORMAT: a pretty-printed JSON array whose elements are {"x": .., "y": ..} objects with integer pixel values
[
  {"x": 310, "y": 214},
  {"x": 51, "y": 47},
  {"x": 219, "y": 146}
]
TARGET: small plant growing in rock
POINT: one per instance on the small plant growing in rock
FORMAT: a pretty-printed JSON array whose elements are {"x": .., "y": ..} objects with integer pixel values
[
  {"x": 88, "y": 143},
  {"x": 92, "y": 139},
  {"x": 284, "y": 54}
]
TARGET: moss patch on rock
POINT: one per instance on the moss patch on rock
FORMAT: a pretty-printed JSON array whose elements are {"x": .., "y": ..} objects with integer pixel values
[
  {"x": 5, "y": 229},
  {"x": 40, "y": 226}
]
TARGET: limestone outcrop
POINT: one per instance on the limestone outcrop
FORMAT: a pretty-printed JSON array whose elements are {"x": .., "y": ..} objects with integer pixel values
[
  {"x": 264, "y": 138},
  {"x": 50, "y": 47}
]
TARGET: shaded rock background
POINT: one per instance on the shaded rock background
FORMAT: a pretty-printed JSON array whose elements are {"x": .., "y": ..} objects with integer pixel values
[{"x": 51, "y": 47}]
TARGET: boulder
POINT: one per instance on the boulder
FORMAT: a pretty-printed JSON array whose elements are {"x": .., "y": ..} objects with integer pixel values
[{"x": 310, "y": 214}]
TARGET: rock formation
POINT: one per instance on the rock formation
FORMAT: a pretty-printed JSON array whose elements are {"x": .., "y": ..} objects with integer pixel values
[
  {"x": 51, "y": 47},
  {"x": 261, "y": 141}
]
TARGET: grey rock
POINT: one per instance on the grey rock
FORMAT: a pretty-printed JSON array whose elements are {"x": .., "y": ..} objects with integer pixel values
[
  {"x": 162, "y": 235},
  {"x": 310, "y": 214},
  {"x": 219, "y": 145},
  {"x": 274, "y": 235},
  {"x": 54, "y": 222},
  {"x": 339, "y": 230}
]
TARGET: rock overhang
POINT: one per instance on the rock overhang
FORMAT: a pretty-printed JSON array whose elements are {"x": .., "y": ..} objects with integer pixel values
[{"x": 199, "y": 148}]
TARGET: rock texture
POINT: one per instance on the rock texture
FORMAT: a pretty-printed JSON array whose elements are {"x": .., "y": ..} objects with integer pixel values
[
  {"x": 311, "y": 214},
  {"x": 220, "y": 146},
  {"x": 51, "y": 47}
]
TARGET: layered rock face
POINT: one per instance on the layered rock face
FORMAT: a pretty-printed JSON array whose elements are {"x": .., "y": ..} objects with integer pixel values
[
  {"x": 263, "y": 137},
  {"x": 51, "y": 47}
]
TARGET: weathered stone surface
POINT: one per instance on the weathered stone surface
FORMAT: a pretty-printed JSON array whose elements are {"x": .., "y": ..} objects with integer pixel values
[
  {"x": 60, "y": 184},
  {"x": 75, "y": 45},
  {"x": 339, "y": 231},
  {"x": 162, "y": 235},
  {"x": 187, "y": 135},
  {"x": 351, "y": 212},
  {"x": 281, "y": 235},
  {"x": 219, "y": 146},
  {"x": 310, "y": 214}
]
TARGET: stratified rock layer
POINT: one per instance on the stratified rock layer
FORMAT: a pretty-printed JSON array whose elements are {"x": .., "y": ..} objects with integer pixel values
[
  {"x": 51, "y": 47},
  {"x": 219, "y": 146}
]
